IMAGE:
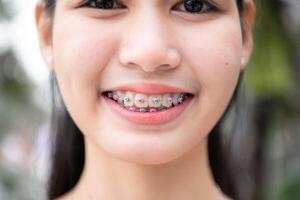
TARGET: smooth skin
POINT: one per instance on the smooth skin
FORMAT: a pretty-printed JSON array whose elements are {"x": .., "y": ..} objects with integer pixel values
[{"x": 146, "y": 41}]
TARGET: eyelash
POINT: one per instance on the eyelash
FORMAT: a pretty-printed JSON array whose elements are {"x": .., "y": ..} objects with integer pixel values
[
  {"x": 207, "y": 7},
  {"x": 92, "y": 4}
]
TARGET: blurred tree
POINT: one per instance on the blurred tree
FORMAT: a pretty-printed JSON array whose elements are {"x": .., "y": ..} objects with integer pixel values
[
  {"x": 4, "y": 12},
  {"x": 19, "y": 115},
  {"x": 16, "y": 105},
  {"x": 17, "y": 184},
  {"x": 272, "y": 79}
]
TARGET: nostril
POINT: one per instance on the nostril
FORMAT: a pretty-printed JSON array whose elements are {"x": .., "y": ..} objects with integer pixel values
[
  {"x": 164, "y": 67},
  {"x": 131, "y": 64}
]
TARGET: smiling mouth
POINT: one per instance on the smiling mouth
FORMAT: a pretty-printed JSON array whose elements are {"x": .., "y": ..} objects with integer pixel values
[{"x": 137, "y": 102}]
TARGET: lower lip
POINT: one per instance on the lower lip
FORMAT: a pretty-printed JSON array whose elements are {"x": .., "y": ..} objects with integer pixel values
[{"x": 148, "y": 118}]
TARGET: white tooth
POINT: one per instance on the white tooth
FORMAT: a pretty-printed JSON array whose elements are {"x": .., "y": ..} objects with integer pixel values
[
  {"x": 155, "y": 101},
  {"x": 115, "y": 96},
  {"x": 129, "y": 99},
  {"x": 120, "y": 95},
  {"x": 167, "y": 100},
  {"x": 175, "y": 99},
  {"x": 141, "y": 101}
]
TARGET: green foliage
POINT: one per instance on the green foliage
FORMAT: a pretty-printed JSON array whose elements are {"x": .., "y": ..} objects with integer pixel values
[
  {"x": 15, "y": 91},
  {"x": 270, "y": 73},
  {"x": 290, "y": 189},
  {"x": 271, "y": 78}
]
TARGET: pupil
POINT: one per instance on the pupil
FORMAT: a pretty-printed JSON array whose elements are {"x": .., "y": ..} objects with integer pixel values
[
  {"x": 193, "y": 5},
  {"x": 107, "y": 4}
]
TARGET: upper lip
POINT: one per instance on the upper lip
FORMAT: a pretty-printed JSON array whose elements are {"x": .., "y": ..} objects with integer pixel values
[{"x": 150, "y": 89}]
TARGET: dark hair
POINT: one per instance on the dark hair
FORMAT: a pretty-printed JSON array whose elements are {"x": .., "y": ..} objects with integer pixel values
[{"x": 68, "y": 144}]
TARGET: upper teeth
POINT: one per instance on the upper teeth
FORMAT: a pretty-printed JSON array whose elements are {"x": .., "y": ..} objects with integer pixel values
[{"x": 129, "y": 99}]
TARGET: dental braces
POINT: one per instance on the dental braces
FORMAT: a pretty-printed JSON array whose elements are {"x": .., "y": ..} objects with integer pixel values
[{"x": 155, "y": 100}]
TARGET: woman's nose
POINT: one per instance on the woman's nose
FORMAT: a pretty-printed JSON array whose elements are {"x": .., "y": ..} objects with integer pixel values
[{"x": 149, "y": 46}]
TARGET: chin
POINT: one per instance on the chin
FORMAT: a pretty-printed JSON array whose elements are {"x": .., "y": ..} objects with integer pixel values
[{"x": 146, "y": 150}]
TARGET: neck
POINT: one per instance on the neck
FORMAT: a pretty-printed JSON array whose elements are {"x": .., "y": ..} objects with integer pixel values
[{"x": 104, "y": 177}]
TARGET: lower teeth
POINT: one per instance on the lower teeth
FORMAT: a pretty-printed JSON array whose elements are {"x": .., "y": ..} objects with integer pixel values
[{"x": 135, "y": 109}]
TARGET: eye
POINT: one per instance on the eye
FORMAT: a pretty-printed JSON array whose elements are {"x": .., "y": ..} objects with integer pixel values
[
  {"x": 103, "y": 4},
  {"x": 195, "y": 6}
]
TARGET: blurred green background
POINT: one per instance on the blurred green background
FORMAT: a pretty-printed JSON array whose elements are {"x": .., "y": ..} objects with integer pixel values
[{"x": 270, "y": 105}]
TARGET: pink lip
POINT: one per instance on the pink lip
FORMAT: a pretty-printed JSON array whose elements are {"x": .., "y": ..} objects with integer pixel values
[
  {"x": 148, "y": 118},
  {"x": 150, "y": 89}
]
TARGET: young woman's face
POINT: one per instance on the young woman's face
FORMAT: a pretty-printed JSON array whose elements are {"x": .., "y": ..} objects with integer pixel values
[{"x": 146, "y": 44}]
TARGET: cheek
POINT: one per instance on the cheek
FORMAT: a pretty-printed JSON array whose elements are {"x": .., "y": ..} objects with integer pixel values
[
  {"x": 82, "y": 48},
  {"x": 81, "y": 52},
  {"x": 214, "y": 52}
]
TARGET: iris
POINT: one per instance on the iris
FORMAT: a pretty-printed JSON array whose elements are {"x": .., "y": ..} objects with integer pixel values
[{"x": 193, "y": 5}]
